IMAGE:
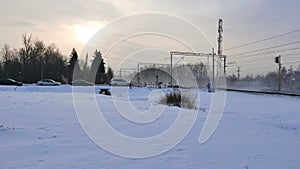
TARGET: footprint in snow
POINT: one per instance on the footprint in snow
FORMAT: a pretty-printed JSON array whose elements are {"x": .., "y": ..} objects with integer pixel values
[{"x": 47, "y": 138}]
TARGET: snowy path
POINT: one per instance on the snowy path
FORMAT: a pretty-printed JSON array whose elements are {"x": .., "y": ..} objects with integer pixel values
[{"x": 39, "y": 129}]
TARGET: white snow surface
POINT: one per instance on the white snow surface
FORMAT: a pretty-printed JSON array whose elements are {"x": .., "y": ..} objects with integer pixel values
[{"x": 39, "y": 129}]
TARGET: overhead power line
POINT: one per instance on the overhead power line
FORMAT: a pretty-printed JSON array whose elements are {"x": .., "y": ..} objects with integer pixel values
[
  {"x": 264, "y": 53},
  {"x": 125, "y": 60},
  {"x": 266, "y": 63},
  {"x": 262, "y": 40},
  {"x": 262, "y": 49},
  {"x": 263, "y": 58},
  {"x": 291, "y": 57},
  {"x": 292, "y": 62}
]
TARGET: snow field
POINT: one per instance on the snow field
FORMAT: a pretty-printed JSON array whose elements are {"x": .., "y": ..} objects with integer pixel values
[{"x": 40, "y": 129}]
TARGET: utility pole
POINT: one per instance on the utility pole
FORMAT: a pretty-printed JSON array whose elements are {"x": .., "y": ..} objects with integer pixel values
[
  {"x": 220, "y": 40},
  {"x": 156, "y": 82},
  {"x": 213, "y": 66},
  {"x": 171, "y": 69},
  {"x": 211, "y": 86},
  {"x": 225, "y": 66},
  {"x": 238, "y": 71},
  {"x": 278, "y": 60}
]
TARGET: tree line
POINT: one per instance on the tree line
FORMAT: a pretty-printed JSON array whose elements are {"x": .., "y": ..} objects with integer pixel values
[
  {"x": 35, "y": 61},
  {"x": 289, "y": 80}
]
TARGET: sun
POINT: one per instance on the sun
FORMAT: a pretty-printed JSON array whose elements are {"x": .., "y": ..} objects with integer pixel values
[{"x": 83, "y": 33}]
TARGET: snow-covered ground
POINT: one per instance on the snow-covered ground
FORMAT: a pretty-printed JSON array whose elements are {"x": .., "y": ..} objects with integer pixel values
[{"x": 39, "y": 128}]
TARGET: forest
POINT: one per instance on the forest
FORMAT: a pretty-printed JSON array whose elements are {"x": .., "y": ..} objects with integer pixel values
[{"x": 35, "y": 61}]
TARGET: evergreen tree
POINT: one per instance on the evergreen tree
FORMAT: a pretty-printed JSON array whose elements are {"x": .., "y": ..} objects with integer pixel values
[
  {"x": 109, "y": 75},
  {"x": 97, "y": 71},
  {"x": 72, "y": 62}
]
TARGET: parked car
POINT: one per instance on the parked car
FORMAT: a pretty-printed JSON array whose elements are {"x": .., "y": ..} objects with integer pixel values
[
  {"x": 81, "y": 82},
  {"x": 118, "y": 82},
  {"x": 8, "y": 81},
  {"x": 48, "y": 82}
]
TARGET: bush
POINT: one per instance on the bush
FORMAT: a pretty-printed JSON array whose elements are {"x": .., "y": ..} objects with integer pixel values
[{"x": 178, "y": 99}]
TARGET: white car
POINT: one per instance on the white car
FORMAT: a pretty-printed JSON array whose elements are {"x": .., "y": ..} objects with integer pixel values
[
  {"x": 48, "y": 82},
  {"x": 81, "y": 82},
  {"x": 118, "y": 82}
]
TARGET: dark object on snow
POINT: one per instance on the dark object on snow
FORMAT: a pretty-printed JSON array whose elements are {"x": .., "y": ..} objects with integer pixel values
[
  {"x": 105, "y": 92},
  {"x": 8, "y": 81},
  {"x": 211, "y": 87},
  {"x": 174, "y": 99}
]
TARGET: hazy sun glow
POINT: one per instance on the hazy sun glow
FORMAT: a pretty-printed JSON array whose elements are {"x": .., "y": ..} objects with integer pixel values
[{"x": 84, "y": 32}]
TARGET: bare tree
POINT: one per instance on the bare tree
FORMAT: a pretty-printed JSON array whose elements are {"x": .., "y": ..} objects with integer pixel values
[{"x": 6, "y": 55}]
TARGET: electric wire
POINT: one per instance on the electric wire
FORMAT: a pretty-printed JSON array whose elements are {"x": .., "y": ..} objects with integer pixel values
[{"x": 262, "y": 40}]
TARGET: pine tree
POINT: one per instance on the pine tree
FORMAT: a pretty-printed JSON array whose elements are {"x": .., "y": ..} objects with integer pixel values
[
  {"x": 97, "y": 71},
  {"x": 109, "y": 75},
  {"x": 72, "y": 62}
]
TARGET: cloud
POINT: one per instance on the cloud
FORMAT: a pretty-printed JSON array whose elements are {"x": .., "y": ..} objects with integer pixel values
[
  {"x": 51, "y": 20},
  {"x": 56, "y": 11}
]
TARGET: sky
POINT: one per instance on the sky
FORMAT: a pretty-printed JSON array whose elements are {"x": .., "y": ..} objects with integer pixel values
[{"x": 71, "y": 23}]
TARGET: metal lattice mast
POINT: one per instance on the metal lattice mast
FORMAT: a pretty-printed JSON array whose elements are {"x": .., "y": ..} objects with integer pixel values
[{"x": 220, "y": 40}]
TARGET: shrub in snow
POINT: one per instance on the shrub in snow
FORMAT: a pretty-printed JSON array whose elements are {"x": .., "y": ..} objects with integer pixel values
[{"x": 184, "y": 100}]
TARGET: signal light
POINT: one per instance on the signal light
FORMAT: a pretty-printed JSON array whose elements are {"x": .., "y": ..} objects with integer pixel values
[{"x": 278, "y": 59}]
